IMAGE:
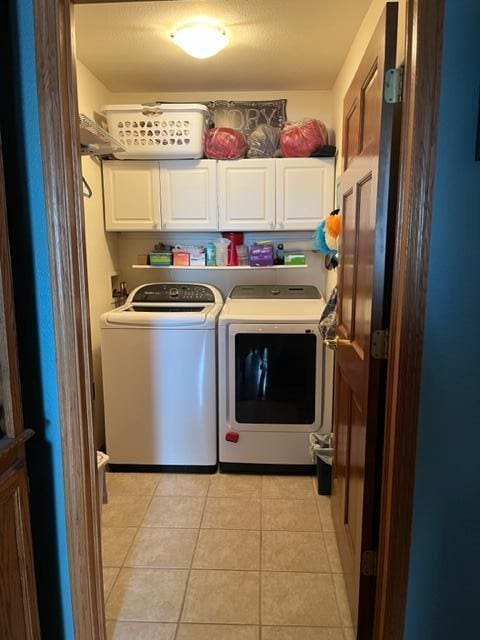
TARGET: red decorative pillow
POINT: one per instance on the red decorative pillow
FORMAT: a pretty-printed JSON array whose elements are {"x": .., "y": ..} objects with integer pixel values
[
  {"x": 301, "y": 139},
  {"x": 225, "y": 144}
]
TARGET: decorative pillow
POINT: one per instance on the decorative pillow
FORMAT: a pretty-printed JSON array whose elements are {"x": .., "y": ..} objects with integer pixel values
[{"x": 247, "y": 116}]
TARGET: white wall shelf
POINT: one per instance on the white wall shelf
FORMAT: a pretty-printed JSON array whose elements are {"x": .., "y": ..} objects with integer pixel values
[{"x": 227, "y": 268}]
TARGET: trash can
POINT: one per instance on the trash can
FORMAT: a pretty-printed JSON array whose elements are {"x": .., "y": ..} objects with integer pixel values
[
  {"x": 322, "y": 454},
  {"x": 102, "y": 461},
  {"x": 324, "y": 477}
]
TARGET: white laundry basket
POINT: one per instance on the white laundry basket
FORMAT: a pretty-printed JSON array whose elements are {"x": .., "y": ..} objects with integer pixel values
[
  {"x": 159, "y": 131},
  {"x": 102, "y": 461}
]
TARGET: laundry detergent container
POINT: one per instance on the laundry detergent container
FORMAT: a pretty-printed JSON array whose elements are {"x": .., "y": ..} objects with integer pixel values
[{"x": 158, "y": 131}]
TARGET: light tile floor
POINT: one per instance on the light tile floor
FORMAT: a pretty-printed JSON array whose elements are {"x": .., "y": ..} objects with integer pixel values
[{"x": 223, "y": 557}]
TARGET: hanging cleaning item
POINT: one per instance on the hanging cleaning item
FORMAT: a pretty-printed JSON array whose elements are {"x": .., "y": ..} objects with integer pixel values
[
  {"x": 326, "y": 238},
  {"x": 333, "y": 229},
  {"x": 328, "y": 320},
  {"x": 319, "y": 242}
]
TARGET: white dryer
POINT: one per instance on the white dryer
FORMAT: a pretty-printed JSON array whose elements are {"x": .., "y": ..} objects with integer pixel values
[
  {"x": 159, "y": 377},
  {"x": 271, "y": 359}
]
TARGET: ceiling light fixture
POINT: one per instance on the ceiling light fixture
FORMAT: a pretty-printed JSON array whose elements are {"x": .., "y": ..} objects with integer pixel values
[{"x": 200, "y": 39}]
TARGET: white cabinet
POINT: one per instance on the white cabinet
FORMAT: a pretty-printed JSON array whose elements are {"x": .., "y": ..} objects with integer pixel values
[
  {"x": 304, "y": 192},
  {"x": 246, "y": 195},
  {"x": 131, "y": 195},
  {"x": 287, "y": 194},
  {"x": 189, "y": 195}
]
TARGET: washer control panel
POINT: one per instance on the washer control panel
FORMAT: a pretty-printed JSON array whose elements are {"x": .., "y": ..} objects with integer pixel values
[{"x": 173, "y": 292}]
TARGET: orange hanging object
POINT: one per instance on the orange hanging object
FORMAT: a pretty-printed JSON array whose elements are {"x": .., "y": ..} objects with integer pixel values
[{"x": 334, "y": 225}]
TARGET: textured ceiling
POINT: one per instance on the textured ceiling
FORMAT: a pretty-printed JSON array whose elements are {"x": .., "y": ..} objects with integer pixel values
[{"x": 274, "y": 44}]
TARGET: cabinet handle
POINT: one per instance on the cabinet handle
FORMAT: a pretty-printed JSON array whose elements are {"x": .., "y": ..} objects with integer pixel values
[
  {"x": 281, "y": 225},
  {"x": 272, "y": 224}
]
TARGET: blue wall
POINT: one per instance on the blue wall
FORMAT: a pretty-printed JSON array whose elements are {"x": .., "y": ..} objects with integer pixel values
[
  {"x": 444, "y": 596},
  {"x": 31, "y": 272}
]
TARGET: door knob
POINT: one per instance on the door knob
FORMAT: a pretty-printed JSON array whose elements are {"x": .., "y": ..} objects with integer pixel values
[{"x": 334, "y": 343}]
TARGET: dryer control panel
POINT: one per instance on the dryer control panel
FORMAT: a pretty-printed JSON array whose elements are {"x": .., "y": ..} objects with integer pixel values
[
  {"x": 173, "y": 292},
  {"x": 266, "y": 292}
]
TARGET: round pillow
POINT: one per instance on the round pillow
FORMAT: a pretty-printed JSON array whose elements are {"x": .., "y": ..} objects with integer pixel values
[
  {"x": 301, "y": 139},
  {"x": 223, "y": 143}
]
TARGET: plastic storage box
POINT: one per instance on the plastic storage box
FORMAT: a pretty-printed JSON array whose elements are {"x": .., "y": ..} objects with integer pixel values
[
  {"x": 160, "y": 131},
  {"x": 294, "y": 257},
  {"x": 160, "y": 258}
]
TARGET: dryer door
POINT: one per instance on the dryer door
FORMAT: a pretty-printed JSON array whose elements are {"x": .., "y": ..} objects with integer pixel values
[{"x": 275, "y": 377}]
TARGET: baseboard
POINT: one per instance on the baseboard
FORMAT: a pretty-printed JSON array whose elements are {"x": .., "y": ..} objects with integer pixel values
[
  {"x": 162, "y": 468},
  {"x": 265, "y": 469}
]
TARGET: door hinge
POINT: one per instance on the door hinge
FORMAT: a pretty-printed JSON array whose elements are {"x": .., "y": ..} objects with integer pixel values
[
  {"x": 369, "y": 563},
  {"x": 393, "y": 91},
  {"x": 380, "y": 344}
]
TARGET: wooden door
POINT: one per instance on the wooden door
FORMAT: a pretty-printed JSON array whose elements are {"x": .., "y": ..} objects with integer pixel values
[
  {"x": 246, "y": 195},
  {"x": 368, "y": 190},
  {"x": 132, "y": 195},
  {"x": 18, "y": 601},
  {"x": 304, "y": 192},
  {"x": 189, "y": 195}
]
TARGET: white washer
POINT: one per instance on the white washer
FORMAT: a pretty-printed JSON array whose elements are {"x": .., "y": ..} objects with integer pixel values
[
  {"x": 271, "y": 359},
  {"x": 159, "y": 376}
]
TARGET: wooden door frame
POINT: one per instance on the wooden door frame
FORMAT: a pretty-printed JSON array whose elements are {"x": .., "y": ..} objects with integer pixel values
[
  {"x": 423, "y": 65},
  {"x": 64, "y": 205},
  {"x": 58, "y": 109}
]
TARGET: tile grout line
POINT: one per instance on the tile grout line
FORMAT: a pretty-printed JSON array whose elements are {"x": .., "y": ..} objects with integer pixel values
[
  {"x": 303, "y": 498},
  {"x": 234, "y": 529},
  {"x": 122, "y": 566},
  {"x": 180, "y": 614},
  {"x": 168, "y": 568},
  {"x": 260, "y": 634},
  {"x": 333, "y": 573},
  {"x": 330, "y": 565},
  {"x": 324, "y": 539}
]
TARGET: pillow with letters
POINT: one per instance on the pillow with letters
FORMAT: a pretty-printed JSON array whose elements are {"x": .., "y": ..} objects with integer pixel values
[{"x": 247, "y": 116}]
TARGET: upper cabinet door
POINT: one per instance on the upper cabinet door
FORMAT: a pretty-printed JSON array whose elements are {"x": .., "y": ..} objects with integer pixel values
[
  {"x": 246, "y": 195},
  {"x": 189, "y": 195},
  {"x": 305, "y": 189},
  {"x": 132, "y": 195}
]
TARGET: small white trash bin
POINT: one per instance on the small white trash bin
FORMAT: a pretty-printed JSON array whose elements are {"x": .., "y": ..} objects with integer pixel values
[{"x": 102, "y": 461}]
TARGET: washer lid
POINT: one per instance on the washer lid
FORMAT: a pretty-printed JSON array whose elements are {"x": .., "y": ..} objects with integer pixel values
[
  {"x": 275, "y": 292},
  {"x": 167, "y": 305},
  {"x": 162, "y": 315}
]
